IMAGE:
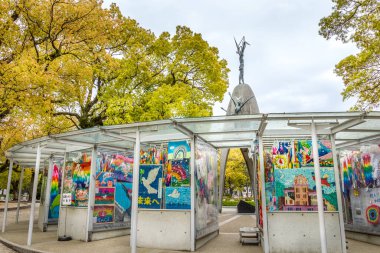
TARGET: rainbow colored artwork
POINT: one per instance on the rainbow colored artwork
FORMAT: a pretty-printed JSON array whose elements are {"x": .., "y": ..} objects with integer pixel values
[
  {"x": 54, "y": 193},
  {"x": 283, "y": 155},
  {"x": 367, "y": 168},
  {"x": 304, "y": 153},
  {"x": 349, "y": 169},
  {"x": 372, "y": 214},
  {"x": 81, "y": 181},
  {"x": 346, "y": 176},
  {"x": 105, "y": 196},
  {"x": 104, "y": 214},
  {"x": 178, "y": 173},
  {"x": 121, "y": 167}
]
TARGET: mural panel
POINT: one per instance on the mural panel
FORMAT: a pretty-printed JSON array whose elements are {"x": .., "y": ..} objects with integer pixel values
[
  {"x": 55, "y": 192},
  {"x": 361, "y": 188},
  {"x": 104, "y": 214},
  {"x": 206, "y": 220},
  {"x": 150, "y": 186}
]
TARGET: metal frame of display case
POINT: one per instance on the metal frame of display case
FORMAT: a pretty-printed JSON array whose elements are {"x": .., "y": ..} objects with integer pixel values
[{"x": 344, "y": 129}]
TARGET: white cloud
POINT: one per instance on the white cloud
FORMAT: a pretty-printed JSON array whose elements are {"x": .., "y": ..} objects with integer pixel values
[{"x": 289, "y": 66}]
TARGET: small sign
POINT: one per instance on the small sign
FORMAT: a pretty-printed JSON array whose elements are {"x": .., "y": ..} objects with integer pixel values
[{"x": 66, "y": 199}]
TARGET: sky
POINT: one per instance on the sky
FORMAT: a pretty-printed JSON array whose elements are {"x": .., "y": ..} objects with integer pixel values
[{"x": 289, "y": 66}]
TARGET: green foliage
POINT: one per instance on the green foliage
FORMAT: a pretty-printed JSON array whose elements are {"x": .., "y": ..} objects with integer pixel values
[
  {"x": 94, "y": 66},
  {"x": 235, "y": 202},
  {"x": 236, "y": 172},
  {"x": 16, "y": 173},
  {"x": 357, "y": 22},
  {"x": 178, "y": 76},
  {"x": 74, "y": 64}
]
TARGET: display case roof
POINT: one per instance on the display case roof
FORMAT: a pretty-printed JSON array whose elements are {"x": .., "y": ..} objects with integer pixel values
[{"x": 351, "y": 130}]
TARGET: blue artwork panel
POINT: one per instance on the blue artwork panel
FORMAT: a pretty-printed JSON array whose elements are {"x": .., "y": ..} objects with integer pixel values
[
  {"x": 150, "y": 186},
  {"x": 123, "y": 201},
  {"x": 178, "y": 150},
  {"x": 177, "y": 198},
  {"x": 105, "y": 179}
]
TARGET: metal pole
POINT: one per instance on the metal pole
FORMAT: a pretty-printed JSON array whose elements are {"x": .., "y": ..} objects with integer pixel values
[
  {"x": 135, "y": 193},
  {"x": 322, "y": 229},
  {"x": 61, "y": 194},
  {"x": 7, "y": 195},
  {"x": 254, "y": 188},
  {"x": 338, "y": 193},
  {"x": 48, "y": 191},
  {"x": 34, "y": 194},
  {"x": 192, "y": 193},
  {"x": 263, "y": 199},
  {"x": 91, "y": 193},
  {"x": 19, "y": 194}
]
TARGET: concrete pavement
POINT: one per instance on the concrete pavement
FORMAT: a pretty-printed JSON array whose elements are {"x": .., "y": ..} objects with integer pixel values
[{"x": 226, "y": 242}]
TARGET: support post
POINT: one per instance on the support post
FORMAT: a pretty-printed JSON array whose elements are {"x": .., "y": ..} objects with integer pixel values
[
  {"x": 91, "y": 194},
  {"x": 7, "y": 195},
  {"x": 19, "y": 194},
  {"x": 34, "y": 194},
  {"x": 61, "y": 207},
  {"x": 222, "y": 176},
  {"x": 135, "y": 193},
  {"x": 263, "y": 199},
  {"x": 254, "y": 188},
  {"x": 48, "y": 190},
  {"x": 192, "y": 193},
  {"x": 338, "y": 193},
  {"x": 322, "y": 229}
]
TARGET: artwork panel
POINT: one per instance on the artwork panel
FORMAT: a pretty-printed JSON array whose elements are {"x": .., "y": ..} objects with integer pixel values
[
  {"x": 205, "y": 188},
  {"x": 103, "y": 214},
  {"x": 81, "y": 181},
  {"x": 178, "y": 150},
  {"x": 123, "y": 201},
  {"x": 55, "y": 191},
  {"x": 178, "y": 198},
  {"x": 150, "y": 186},
  {"x": 105, "y": 179},
  {"x": 115, "y": 171},
  {"x": 105, "y": 196},
  {"x": 295, "y": 190},
  {"x": 154, "y": 155},
  {"x": 304, "y": 153},
  {"x": 365, "y": 207},
  {"x": 282, "y": 153},
  {"x": 178, "y": 173},
  {"x": 121, "y": 166}
]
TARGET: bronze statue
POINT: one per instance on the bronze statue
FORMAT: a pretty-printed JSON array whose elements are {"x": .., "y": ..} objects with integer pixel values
[{"x": 240, "y": 51}]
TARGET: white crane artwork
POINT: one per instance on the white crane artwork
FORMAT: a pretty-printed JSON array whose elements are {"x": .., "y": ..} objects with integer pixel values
[{"x": 152, "y": 175}]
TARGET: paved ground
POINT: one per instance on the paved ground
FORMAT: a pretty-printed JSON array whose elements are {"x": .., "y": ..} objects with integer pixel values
[
  {"x": 4, "y": 249},
  {"x": 13, "y": 205},
  {"x": 227, "y": 241}
]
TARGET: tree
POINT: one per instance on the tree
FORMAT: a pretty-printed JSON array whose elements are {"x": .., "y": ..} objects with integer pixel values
[
  {"x": 93, "y": 66},
  {"x": 236, "y": 172},
  {"x": 357, "y": 21},
  {"x": 178, "y": 76},
  {"x": 70, "y": 64},
  {"x": 16, "y": 173}
]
